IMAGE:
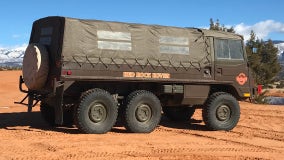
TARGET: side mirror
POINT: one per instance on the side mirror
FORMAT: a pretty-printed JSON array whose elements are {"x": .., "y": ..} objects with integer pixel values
[{"x": 254, "y": 50}]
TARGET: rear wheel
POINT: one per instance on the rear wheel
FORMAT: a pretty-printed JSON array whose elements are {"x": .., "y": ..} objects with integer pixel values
[
  {"x": 97, "y": 112},
  {"x": 221, "y": 111},
  {"x": 142, "y": 112},
  {"x": 181, "y": 113}
]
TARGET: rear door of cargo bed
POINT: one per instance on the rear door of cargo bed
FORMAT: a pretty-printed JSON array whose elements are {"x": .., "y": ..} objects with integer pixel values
[{"x": 49, "y": 32}]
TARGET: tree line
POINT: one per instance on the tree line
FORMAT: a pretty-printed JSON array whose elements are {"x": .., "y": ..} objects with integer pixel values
[{"x": 262, "y": 55}]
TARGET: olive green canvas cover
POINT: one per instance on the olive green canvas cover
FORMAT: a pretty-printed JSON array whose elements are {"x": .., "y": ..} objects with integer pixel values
[
  {"x": 123, "y": 43},
  {"x": 92, "y": 41}
]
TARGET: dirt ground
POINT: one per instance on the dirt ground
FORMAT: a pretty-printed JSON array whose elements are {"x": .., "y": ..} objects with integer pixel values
[
  {"x": 258, "y": 135},
  {"x": 275, "y": 92}
]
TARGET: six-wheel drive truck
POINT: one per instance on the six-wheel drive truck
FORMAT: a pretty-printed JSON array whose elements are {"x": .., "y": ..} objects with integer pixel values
[{"x": 89, "y": 72}]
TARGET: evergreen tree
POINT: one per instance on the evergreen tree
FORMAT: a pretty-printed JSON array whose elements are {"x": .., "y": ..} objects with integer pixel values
[
  {"x": 212, "y": 25},
  {"x": 253, "y": 58},
  {"x": 216, "y": 26},
  {"x": 232, "y": 30},
  {"x": 263, "y": 63}
]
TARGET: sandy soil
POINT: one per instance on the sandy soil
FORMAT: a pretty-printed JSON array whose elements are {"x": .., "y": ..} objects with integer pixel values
[
  {"x": 258, "y": 135},
  {"x": 275, "y": 92}
]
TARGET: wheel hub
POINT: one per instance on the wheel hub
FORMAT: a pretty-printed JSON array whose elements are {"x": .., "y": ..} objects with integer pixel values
[
  {"x": 143, "y": 113},
  {"x": 97, "y": 112},
  {"x": 223, "y": 112}
]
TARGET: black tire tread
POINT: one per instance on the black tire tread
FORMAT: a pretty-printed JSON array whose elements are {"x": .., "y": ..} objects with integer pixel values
[
  {"x": 207, "y": 109},
  {"x": 129, "y": 122},
  {"x": 86, "y": 97}
]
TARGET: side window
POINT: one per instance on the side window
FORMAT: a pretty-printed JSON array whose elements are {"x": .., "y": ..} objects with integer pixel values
[
  {"x": 236, "y": 49},
  {"x": 222, "y": 49},
  {"x": 228, "y": 49}
]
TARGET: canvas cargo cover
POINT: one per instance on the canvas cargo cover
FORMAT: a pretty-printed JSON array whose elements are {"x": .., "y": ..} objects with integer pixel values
[{"x": 92, "y": 41}]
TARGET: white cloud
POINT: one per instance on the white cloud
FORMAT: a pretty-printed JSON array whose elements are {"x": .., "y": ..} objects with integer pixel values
[
  {"x": 20, "y": 36},
  {"x": 262, "y": 29},
  {"x": 16, "y": 36}
]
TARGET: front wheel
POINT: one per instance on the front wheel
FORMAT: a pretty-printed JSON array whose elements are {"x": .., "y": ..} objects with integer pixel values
[
  {"x": 142, "y": 112},
  {"x": 97, "y": 112},
  {"x": 221, "y": 111}
]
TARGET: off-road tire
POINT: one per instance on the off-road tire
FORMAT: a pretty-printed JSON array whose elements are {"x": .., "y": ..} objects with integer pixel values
[
  {"x": 97, "y": 112},
  {"x": 221, "y": 112},
  {"x": 35, "y": 66},
  {"x": 181, "y": 113},
  {"x": 48, "y": 114},
  {"x": 142, "y": 112}
]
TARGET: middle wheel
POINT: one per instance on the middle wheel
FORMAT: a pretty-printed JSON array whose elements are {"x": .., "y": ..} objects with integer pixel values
[{"x": 142, "y": 112}]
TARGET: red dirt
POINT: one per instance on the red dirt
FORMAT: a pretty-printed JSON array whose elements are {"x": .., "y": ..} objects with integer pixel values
[
  {"x": 258, "y": 135},
  {"x": 275, "y": 92}
]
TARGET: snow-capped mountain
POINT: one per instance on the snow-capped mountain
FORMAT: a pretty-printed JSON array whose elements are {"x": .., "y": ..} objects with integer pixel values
[
  {"x": 12, "y": 56},
  {"x": 280, "y": 47}
]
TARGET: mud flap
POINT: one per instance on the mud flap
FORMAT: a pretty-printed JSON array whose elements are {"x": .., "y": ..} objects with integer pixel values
[{"x": 58, "y": 105}]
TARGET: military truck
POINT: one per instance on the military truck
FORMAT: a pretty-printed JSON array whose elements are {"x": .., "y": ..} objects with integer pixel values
[{"x": 89, "y": 72}]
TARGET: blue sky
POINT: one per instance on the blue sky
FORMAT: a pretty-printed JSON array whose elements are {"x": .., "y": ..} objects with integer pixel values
[{"x": 265, "y": 17}]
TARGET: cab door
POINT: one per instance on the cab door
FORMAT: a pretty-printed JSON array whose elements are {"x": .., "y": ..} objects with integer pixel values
[{"x": 230, "y": 63}]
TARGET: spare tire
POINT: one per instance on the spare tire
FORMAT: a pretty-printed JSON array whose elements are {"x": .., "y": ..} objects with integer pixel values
[{"x": 35, "y": 66}]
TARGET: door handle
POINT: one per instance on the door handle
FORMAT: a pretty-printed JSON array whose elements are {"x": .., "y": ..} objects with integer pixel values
[
  {"x": 207, "y": 72},
  {"x": 219, "y": 71}
]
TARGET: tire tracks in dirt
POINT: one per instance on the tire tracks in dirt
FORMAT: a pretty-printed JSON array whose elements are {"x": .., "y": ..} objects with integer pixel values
[
  {"x": 267, "y": 116},
  {"x": 249, "y": 147},
  {"x": 261, "y": 133}
]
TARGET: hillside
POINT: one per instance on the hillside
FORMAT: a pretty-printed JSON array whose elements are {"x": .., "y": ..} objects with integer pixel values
[
  {"x": 280, "y": 47},
  {"x": 12, "y": 57}
]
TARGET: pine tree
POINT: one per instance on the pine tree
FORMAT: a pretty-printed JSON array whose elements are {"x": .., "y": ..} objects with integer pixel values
[
  {"x": 216, "y": 26},
  {"x": 253, "y": 58},
  {"x": 263, "y": 63},
  {"x": 270, "y": 61},
  {"x": 212, "y": 25},
  {"x": 232, "y": 30}
]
